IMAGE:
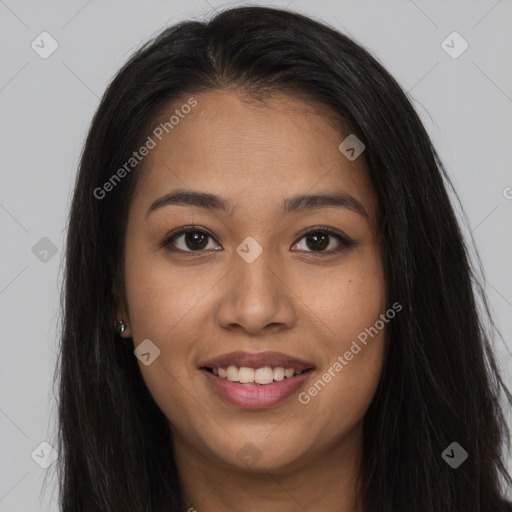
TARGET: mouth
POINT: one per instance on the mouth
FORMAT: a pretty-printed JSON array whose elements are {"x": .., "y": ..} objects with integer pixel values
[
  {"x": 255, "y": 381},
  {"x": 260, "y": 376}
]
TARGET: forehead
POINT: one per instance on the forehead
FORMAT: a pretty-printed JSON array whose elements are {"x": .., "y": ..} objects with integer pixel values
[{"x": 252, "y": 152}]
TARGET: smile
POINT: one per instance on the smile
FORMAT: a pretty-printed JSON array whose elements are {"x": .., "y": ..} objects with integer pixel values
[
  {"x": 255, "y": 380},
  {"x": 262, "y": 376},
  {"x": 254, "y": 395}
]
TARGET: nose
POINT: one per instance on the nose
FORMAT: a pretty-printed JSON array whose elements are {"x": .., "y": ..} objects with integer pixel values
[{"x": 256, "y": 298}]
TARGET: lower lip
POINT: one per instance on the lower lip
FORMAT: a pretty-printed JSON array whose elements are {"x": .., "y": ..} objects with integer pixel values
[{"x": 255, "y": 396}]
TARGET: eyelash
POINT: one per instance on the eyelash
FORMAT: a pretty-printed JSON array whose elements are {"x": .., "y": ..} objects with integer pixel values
[{"x": 344, "y": 241}]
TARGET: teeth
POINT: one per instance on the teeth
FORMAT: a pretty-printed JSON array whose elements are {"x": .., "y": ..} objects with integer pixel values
[
  {"x": 232, "y": 373},
  {"x": 263, "y": 375},
  {"x": 246, "y": 375},
  {"x": 279, "y": 373}
]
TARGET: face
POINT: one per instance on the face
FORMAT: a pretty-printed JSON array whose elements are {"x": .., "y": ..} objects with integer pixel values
[{"x": 258, "y": 280}]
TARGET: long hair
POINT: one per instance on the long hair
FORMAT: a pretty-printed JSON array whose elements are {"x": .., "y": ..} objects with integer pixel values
[{"x": 440, "y": 382}]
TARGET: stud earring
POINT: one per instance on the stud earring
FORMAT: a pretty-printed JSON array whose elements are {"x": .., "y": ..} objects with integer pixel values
[{"x": 120, "y": 326}]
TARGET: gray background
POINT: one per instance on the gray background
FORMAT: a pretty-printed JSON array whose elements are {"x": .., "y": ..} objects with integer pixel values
[{"x": 47, "y": 104}]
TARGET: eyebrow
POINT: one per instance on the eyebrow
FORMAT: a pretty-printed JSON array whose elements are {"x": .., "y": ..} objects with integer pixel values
[{"x": 295, "y": 204}]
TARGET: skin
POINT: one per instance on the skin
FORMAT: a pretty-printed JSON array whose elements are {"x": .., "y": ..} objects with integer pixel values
[{"x": 197, "y": 305}]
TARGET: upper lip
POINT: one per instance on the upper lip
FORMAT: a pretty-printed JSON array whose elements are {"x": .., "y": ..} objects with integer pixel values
[{"x": 257, "y": 360}]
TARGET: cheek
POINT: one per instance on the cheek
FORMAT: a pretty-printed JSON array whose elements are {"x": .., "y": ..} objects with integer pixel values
[
  {"x": 347, "y": 306},
  {"x": 164, "y": 306},
  {"x": 347, "y": 299},
  {"x": 161, "y": 299}
]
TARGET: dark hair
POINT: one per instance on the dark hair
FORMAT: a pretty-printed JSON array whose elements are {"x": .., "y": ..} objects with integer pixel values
[{"x": 440, "y": 382}]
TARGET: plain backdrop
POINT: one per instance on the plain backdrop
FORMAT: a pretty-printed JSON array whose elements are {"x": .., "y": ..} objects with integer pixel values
[{"x": 46, "y": 106}]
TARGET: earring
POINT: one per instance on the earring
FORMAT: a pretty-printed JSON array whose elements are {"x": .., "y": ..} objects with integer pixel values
[{"x": 120, "y": 326}]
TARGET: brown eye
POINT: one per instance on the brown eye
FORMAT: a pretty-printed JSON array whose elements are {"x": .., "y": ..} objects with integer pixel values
[
  {"x": 190, "y": 240},
  {"x": 195, "y": 241},
  {"x": 323, "y": 240},
  {"x": 317, "y": 242}
]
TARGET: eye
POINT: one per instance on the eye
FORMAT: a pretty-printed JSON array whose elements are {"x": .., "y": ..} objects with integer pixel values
[
  {"x": 323, "y": 240},
  {"x": 317, "y": 240},
  {"x": 190, "y": 239}
]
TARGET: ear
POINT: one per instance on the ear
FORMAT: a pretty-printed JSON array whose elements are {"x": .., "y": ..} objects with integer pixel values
[{"x": 121, "y": 310}]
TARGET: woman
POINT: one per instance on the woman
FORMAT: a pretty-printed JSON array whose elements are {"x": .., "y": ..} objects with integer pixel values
[{"x": 268, "y": 301}]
